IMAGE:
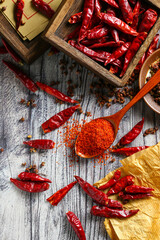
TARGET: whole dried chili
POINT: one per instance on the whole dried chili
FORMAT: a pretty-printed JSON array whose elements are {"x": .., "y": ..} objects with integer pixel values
[
  {"x": 114, "y": 204},
  {"x": 112, "y": 3},
  {"x": 128, "y": 151},
  {"x": 96, "y": 33},
  {"x": 112, "y": 181},
  {"x": 60, "y": 194},
  {"x": 86, "y": 18},
  {"x": 149, "y": 19},
  {"x": 77, "y": 17},
  {"x": 113, "y": 31},
  {"x": 40, "y": 143},
  {"x": 117, "y": 62},
  {"x": 94, "y": 193},
  {"x": 76, "y": 225},
  {"x": 153, "y": 46},
  {"x": 28, "y": 176},
  {"x": 131, "y": 135},
  {"x": 54, "y": 92},
  {"x": 132, "y": 50},
  {"x": 88, "y": 42},
  {"x": 117, "y": 23},
  {"x": 19, "y": 6},
  {"x": 139, "y": 65},
  {"x": 126, "y": 11},
  {"x": 119, "y": 52},
  {"x": 30, "y": 186},
  {"x": 125, "y": 196},
  {"x": 97, "y": 7},
  {"x": 3, "y": 50},
  {"x": 121, "y": 184},
  {"x": 44, "y": 8},
  {"x": 59, "y": 119},
  {"x": 138, "y": 189},
  {"x": 136, "y": 13},
  {"x": 106, "y": 44},
  {"x": 98, "y": 135},
  {"x": 112, "y": 213},
  {"x": 11, "y": 52},
  {"x": 28, "y": 83}
]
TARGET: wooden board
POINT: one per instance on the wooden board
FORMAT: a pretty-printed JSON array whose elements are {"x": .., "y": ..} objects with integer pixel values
[
  {"x": 59, "y": 28},
  {"x": 28, "y": 51}
]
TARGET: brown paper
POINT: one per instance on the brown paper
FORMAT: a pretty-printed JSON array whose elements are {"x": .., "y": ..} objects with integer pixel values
[{"x": 145, "y": 225}]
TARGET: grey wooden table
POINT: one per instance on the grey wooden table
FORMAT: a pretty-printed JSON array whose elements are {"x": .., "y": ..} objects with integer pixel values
[{"x": 29, "y": 216}]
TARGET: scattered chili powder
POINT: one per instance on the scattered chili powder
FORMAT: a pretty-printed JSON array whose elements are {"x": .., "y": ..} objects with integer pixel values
[{"x": 95, "y": 137}]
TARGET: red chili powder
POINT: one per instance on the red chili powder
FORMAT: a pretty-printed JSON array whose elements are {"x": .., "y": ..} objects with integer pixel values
[{"x": 95, "y": 137}]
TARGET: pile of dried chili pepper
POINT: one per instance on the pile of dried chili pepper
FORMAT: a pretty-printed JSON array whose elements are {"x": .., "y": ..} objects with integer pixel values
[{"x": 111, "y": 32}]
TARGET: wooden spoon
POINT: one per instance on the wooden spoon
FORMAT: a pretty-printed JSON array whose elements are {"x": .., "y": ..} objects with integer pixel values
[{"x": 116, "y": 118}]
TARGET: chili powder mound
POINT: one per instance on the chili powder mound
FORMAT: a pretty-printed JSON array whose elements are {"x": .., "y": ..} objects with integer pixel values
[{"x": 95, "y": 137}]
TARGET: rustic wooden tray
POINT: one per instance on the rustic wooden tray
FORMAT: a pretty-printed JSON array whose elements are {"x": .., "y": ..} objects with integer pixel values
[
  {"x": 28, "y": 50},
  {"x": 59, "y": 28}
]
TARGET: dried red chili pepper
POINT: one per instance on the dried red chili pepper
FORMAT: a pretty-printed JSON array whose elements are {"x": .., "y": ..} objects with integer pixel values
[
  {"x": 107, "y": 44},
  {"x": 114, "y": 204},
  {"x": 19, "y": 6},
  {"x": 119, "y": 52},
  {"x": 3, "y": 50},
  {"x": 28, "y": 83},
  {"x": 44, "y": 8},
  {"x": 88, "y": 42},
  {"x": 149, "y": 19},
  {"x": 97, "y": 7},
  {"x": 121, "y": 184},
  {"x": 139, "y": 65},
  {"x": 112, "y": 3},
  {"x": 76, "y": 225},
  {"x": 73, "y": 34},
  {"x": 136, "y": 13},
  {"x": 128, "y": 151},
  {"x": 30, "y": 186},
  {"x": 77, "y": 17},
  {"x": 96, "y": 33},
  {"x": 11, "y": 52},
  {"x": 125, "y": 196},
  {"x": 87, "y": 16},
  {"x": 132, "y": 50},
  {"x": 59, "y": 119},
  {"x": 94, "y": 193},
  {"x": 40, "y": 143},
  {"x": 117, "y": 23},
  {"x": 112, "y": 181},
  {"x": 28, "y": 176},
  {"x": 113, "y": 31},
  {"x": 153, "y": 46},
  {"x": 60, "y": 194},
  {"x": 132, "y": 134},
  {"x": 138, "y": 189},
  {"x": 112, "y": 213},
  {"x": 126, "y": 11},
  {"x": 54, "y": 92}
]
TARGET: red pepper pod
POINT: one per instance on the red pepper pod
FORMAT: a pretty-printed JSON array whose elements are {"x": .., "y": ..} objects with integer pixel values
[
  {"x": 138, "y": 189},
  {"x": 131, "y": 135},
  {"x": 119, "y": 52},
  {"x": 121, "y": 184},
  {"x": 27, "y": 176},
  {"x": 114, "y": 204},
  {"x": 77, "y": 17},
  {"x": 3, "y": 50},
  {"x": 76, "y": 225},
  {"x": 112, "y": 213},
  {"x": 136, "y": 13},
  {"x": 128, "y": 151},
  {"x": 54, "y": 92},
  {"x": 28, "y": 83},
  {"x": 44, "y": 8},
  {"x": 88, "y": 42},
  {"x": 139, "y": 65},
  {"x": 112, "y": 3},
  {"x": 153, "y": 46},
  {"x": 126, "y": 11},
  {"x": 97, "y": 7},
  {"x": 126, "y": 196},
  {"x": 96, "y": 33},
  {"x": 30, "y": 186},
  {"x": 112, "y": 181},
  {"x": 106, "y": 44},
  {"x": 19, "y": 6},
  {"x": 11, "y": 52},
  {"x": 40, "y": 143},
  {"x": 59, "y": 119},
  {"x": 60, "y": 194},
  {"x": 117, "y": 23},
  {"x": 149, "y": 19},
  {"x": 94, "y": 193}
]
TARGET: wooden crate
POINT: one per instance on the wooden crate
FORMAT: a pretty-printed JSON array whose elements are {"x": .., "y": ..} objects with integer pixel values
[
  {"x": 59, "y": 28},
  {"x": 27, "y": 50}
]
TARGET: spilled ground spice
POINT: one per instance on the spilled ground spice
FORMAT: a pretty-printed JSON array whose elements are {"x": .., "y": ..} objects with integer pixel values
[{"x": 95, "y": 137}]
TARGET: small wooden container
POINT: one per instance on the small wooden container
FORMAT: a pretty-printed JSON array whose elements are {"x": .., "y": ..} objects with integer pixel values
[{"x": 59, "y": 28}]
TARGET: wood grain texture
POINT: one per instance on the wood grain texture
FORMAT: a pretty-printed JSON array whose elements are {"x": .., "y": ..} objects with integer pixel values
[{"x": 29, "y": 216}]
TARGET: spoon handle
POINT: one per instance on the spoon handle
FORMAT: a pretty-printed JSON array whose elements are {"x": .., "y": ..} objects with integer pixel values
[{"x": 144, "y": 90}]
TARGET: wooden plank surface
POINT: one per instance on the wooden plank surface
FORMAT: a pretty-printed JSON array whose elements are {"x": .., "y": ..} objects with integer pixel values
[{"x": 28, "y": 216}]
